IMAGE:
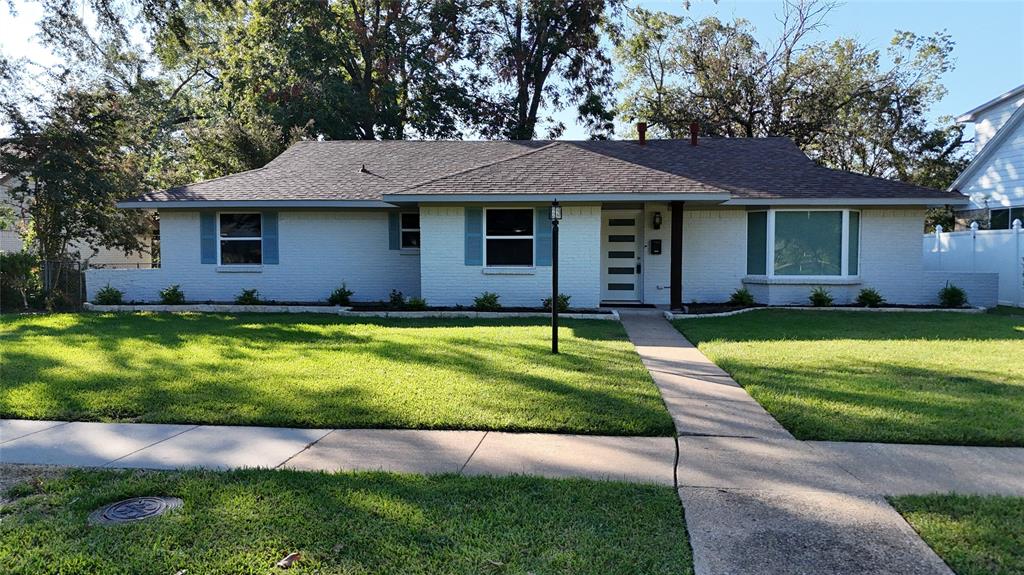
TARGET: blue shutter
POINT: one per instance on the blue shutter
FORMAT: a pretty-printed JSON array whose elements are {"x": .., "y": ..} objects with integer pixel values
[
  {"x": 208, "y": 237},
  {"x": 474, "y": 236},
  {"x": 394, "y": 231},
  {"x": 542, "y": 237},
  {"x": 270, "y": 251}
]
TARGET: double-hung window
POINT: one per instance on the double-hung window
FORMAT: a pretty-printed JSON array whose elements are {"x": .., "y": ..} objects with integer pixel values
[
  {"x": 820, "y": 243},
  {"x": 508, "y": 236},
  {"x": 410, "y": 229},
  {"x": 240, "y": 238}
]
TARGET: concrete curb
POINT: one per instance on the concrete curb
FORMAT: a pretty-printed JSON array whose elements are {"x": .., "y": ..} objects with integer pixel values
[{"x": 671, "y": 316}]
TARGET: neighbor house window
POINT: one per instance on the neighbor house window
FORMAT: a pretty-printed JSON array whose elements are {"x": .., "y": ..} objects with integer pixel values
[
  {"x": 803, "y": 243},
  {"x": 241, "y": 239},
  {"x": 1002, "y": 219},
  {"x": 410, "y": 231},
  {"x": 508, "y": 235}
]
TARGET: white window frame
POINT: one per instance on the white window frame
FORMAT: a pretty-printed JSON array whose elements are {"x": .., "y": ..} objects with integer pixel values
[
  {"x": 221, "y": 239},
  {"x": 401, "y": 233},
  {"x": 845, "y": 244},
  {"x": 532, "y": 237}
]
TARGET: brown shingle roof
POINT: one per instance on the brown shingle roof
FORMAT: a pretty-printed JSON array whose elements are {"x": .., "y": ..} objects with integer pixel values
[{"x": 747, "y": 168}]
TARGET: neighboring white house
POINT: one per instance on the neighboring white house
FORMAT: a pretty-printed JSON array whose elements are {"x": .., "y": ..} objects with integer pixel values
[
  {"x": 11, "y": 238},
  {"x": 994, "y": 181},
  {"x": 654, "y": 222}
]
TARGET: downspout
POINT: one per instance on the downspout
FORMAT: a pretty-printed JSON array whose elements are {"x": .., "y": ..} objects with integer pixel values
[{"x": 676, "y": 257}]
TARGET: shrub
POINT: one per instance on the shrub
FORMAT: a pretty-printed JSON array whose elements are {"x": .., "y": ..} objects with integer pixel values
[
  {"x": 248, "y": 297},
  {"x": 397, "y": 299},
  {"x": 340, "y": 296},
  {"x": 952, "y": 296},
  {"x": 172, "y": 295},
  {"x": 821, "y": 297},
  {"x": 416, "y": 304},
  {"x": 563, "y": 303},
  {"x": 742, "y": 296},
  {"x": 109, "y": 296},
  {"x": 19, "y": 279},
  {"x": 869, "y": 297},
  {"x": 487, "y": 301}
]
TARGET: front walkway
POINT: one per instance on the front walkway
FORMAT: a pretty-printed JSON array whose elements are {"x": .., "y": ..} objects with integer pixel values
[{"x": 756, "y": 499}]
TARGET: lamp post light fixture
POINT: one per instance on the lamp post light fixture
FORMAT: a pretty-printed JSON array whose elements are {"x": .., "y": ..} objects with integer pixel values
[{"x": 556, "y": 216}]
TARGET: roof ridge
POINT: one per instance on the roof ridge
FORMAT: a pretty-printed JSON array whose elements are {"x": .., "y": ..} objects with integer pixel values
[{"x": 480, "y": 167}]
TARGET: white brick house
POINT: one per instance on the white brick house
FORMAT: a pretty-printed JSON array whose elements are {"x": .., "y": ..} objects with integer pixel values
[{"x": 659, "y": 222}]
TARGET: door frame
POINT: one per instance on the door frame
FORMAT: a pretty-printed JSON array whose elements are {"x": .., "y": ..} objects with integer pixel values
[{"x": 638, "y": 214}]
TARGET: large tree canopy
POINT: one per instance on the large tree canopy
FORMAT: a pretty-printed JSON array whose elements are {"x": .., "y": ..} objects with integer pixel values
[{"x": 836, "y": 99}]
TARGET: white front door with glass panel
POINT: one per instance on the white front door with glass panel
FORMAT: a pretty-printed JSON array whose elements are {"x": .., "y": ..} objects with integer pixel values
[{"x": 621, "y": 255}]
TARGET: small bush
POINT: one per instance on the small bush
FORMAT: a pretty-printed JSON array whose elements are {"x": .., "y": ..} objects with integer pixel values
[
  {"x": 19, "y": 280},
  {"x": 248, "y": 297},
  {"x": 821, "y": 297},
  {"x": 416, "y": 304},
  {"x": 172, "y": 295},
  {"x": 563, "y": 303},
  {"x": 952, "y": 296},
  {"x": 109, "y": 296},
  {"x": 340, "y": 296},
  {"x": 742, "y": 296},
  {"x": 397, "y": 299},
  {"x": 487, "y": 301},
  {"x": 869, "y": 297}
]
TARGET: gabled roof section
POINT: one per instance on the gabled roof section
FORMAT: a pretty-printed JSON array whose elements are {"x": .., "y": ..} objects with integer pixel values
[
  {"x": 972, "y": 115},
  {"x": 995, "y": 142}
]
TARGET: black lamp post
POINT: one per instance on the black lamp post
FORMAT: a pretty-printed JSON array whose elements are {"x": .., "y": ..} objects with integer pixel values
[{"x": 556, "y": 215}]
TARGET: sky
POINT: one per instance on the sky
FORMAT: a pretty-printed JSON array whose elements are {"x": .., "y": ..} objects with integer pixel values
[{"x": 989, "y": 38}]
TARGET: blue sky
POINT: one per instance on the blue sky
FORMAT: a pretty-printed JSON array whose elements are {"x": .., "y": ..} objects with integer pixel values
[{"x": 989, "y": 37}]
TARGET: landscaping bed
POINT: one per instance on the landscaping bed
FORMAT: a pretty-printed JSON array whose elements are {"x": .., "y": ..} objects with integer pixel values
[
  {"x": 245, "y": 521},
  {"x": 933, "y": 378},
  {"x": 322, "y": 371},
  {"x": 975, "y": 535}
]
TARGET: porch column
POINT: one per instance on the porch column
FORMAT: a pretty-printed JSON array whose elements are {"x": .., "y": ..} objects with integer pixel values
[{"x": 676, "y": 256}]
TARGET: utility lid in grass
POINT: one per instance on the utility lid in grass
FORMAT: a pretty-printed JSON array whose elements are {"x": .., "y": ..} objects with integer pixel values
[{"x": 134, "y": 509}]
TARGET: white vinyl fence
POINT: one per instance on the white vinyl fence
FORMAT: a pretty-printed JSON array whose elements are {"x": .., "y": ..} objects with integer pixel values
[{"x": 975, "y": 250}]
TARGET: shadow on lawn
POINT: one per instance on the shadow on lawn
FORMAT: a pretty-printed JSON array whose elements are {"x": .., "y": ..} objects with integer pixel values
[{"x": 415, "y": 381}]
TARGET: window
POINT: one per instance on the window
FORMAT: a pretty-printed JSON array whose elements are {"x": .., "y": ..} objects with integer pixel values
[
  {"x": 803, "y": 243},
  {"x": 241, "y": 239},
  {"x": 508, "y": 235},
  {"x": 1002, "y": 219},
  {"x": 410, "y": 231}
]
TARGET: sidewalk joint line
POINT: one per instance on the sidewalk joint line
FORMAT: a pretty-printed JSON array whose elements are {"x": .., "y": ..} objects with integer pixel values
[
  {"x": 61, "y": 424},
  {"x": 304, "y": 449},
  {"x": 468, "y": 459},
  {"x": 148, "y": 446}
]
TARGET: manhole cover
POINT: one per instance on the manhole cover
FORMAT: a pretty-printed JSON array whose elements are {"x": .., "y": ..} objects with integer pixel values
[{"x": 134, "y": 509}]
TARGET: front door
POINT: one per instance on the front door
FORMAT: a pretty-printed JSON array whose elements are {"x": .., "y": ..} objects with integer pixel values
[{"x": 621, "y": 254}]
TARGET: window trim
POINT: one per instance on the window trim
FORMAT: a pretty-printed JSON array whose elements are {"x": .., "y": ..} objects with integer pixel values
[
  {"x": 844, "y": 244},
  {"x": 532, "y": 237},
  {"x": 402, "y": 229},
  {"x": 247, "y": 238}
]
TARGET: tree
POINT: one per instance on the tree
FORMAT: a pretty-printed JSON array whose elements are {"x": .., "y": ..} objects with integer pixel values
[
  {"x": 835, "y": 100},
  {"x": 542, "y": 55},
  {"x": 74, "y": 165}
]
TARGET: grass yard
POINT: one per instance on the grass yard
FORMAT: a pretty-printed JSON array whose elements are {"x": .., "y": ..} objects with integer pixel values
[
  {"x": 326, "y": 371},
  {"x": 245, "y": 521},
  {"x": 937, "y": 378},
  {"x": 974, "y": 535}
]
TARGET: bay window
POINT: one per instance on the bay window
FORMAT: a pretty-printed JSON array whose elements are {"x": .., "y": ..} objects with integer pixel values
[
  {"x": 814, "y": 243},
  {"x": 508, "y": 236},
  {"x": 240, "y": 238}
]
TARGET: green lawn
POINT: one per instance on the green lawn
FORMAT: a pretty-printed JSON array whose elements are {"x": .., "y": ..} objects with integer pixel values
[
  {"x": 245, "y": 521},
  {"x": 974, "y": 535},
  {"x": 892, "y": 377},
  {"x": 326, "y": 371}
]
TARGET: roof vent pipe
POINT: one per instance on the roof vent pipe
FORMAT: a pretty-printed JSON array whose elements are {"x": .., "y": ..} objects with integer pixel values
[
  {"x": 641, "y": 132},
  {"x": 694, "y": 129}
]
